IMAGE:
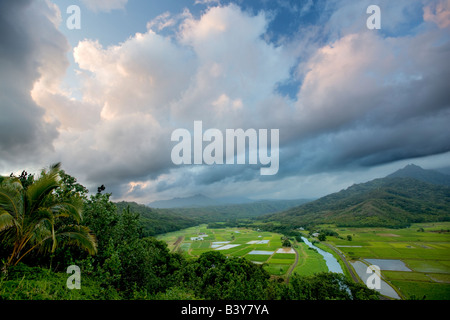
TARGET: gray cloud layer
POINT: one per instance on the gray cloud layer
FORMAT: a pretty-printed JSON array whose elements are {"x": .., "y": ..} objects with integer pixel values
[{"x": 25, "y": 35}]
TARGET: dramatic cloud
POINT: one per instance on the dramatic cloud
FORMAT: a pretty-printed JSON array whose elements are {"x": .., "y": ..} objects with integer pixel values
[
  {"x": 31, "y": 49},
  {"x": 363, "y": 80},
  {"x": 343, "y": 97},
  {"x": 150, "y": 85},
  {"x": 368, "y": 101},
  {"x": 438, "y": 12}
]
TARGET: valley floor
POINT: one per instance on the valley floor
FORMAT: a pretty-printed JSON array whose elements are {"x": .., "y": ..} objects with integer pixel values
[{"x": 414, "y": 261}]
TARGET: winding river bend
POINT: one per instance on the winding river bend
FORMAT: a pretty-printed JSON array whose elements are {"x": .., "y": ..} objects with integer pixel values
[
  {"x": 360, "y": 268},
  {"x": 332, "y": 264}
]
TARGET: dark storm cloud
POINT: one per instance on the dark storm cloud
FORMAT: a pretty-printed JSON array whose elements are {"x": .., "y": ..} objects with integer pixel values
[
  {"x": 369, "y": 101},
  {"x": 359, "y": 147},
  {"x": 23, "y": 133}
]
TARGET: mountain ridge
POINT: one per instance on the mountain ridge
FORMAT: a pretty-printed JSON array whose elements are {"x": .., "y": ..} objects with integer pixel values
[
  {"x": 397, "y": 200},
  {"x": 392, "y": 201},
  {"x": 425, "y": 175},
  {"x": 195, "y": 201}
]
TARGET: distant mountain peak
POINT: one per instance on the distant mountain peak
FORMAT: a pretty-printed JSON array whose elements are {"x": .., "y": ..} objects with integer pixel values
[
  {"x": 408, "y": 170},
  {"x": 425, "y": 175},
  {"x": 197, "y": 200},
  {"x": 195, "y": 196},
  {"x": 413, "y": 166}
]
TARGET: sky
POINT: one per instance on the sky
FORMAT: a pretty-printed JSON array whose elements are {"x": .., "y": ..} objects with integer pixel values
[{"x": 350, "y": 103}]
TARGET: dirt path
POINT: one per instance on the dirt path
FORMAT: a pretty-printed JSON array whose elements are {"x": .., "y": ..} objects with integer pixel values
[
  {"x": 291, "y": 269},
  {"x": 177, "y": 243}
]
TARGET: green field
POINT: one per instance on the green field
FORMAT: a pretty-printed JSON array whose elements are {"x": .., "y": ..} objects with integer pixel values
[
  {"x": 245, "y": 242},
  {"x": 423, "y": 248},
  {"x": 310, "y": 261}
]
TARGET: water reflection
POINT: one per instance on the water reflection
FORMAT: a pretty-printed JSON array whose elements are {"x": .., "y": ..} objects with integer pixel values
[{"x": 332, "y": 264}]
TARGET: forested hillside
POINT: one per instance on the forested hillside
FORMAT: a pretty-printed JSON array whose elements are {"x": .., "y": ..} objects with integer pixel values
[
  {"x": 385, "y": 202},
  {"x": 157, "y": 221},
  {"x": 237, "y": 211}
]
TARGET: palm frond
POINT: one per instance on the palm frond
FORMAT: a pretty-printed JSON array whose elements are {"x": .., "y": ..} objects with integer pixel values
[
  {"x": 11, "y": 197},
  {"x": 42, "y": 187},
  {"x": 80, "y": 236},
  {"x": 38, "y": 217},
  {"x": 6, "y": 219},
  {"x": 71, "y": 209}
]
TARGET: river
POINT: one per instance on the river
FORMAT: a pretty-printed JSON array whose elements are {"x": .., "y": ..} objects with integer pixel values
[
  {"x": 360, "y": 268},
  {"x": 332, "y": 264}
]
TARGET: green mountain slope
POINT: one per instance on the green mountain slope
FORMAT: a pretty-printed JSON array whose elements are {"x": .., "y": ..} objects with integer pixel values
[
  {"x": 409, "y": 195},
  {"x": 238, "y": 211},
  {"x": 157, "y": 221},
  {"x": 197, "y": 200},
  {"x": 385, "y": 202}
]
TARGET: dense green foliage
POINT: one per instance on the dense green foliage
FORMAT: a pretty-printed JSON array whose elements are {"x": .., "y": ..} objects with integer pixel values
[
  {"x": 325, "y": 286},
  {"x": 33, "y": 217},
  {"x": 210, "y": 277},
  {"x": 387, "y": 202},
  {"x": 129, "y": 265}
]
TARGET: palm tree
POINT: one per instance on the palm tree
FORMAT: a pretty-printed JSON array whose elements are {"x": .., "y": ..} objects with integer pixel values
[{"x": 34, "y": 218}]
